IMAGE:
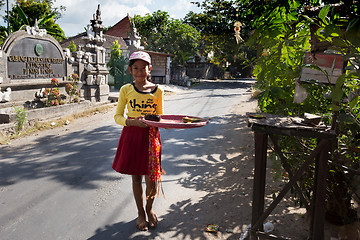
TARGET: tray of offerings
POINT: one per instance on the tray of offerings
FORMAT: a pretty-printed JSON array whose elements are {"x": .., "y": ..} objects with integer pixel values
[{"x": 175, "y": 121}]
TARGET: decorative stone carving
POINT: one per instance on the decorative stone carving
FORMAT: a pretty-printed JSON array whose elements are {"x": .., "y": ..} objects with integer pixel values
[
  {"x": 35, "y": 30},
  {"x": 89, "y": 67},
  {"x": 135, "y": 39},
  {"x": 98, "y": 13},
  {"x": 100, "y": 80},
  {"x": 90, "y": 36},
  {"x": 5, "y": 96},
  {"x": 90, "y": 80},
  {"x": 71, "y": 60},
  {"x": 79, "y": 55},
  {"x": 90, "y": 61},
  {"x": 40, "y": 93},
  {"x": 67, "y": 53}
]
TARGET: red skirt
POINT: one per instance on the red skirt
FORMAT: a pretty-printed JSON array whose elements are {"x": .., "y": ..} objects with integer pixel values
[{"x": 132, "y": 154}]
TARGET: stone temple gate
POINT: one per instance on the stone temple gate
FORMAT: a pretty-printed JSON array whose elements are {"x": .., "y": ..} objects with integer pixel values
[{"x": 30, "y": 59}]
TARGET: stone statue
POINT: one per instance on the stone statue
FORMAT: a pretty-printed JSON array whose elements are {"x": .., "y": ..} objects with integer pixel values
[
  {"x": 35, "y": 30},
  {"x": 134, "y": 34},
  {"x": 88, "y": 32},
  {"x": 5, "y": 96},
  {"x": 67, "y": 53}
]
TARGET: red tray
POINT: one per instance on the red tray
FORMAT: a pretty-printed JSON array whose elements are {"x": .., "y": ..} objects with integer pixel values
[{"x": 175, "y": 121}]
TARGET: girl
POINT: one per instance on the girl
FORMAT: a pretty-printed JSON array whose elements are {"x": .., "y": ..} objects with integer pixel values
[{"x": 139, "y": 149}]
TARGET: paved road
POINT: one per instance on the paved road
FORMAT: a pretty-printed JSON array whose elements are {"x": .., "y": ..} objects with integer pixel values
[{"x": 61, "y": 186}]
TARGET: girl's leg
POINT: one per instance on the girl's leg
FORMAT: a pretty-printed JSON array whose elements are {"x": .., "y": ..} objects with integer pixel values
[
  {"x": 151, "y": 188},
  {"x": 138, "y": 195}
]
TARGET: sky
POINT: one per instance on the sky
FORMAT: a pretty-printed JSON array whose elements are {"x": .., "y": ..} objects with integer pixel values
[{"x": 79, "y": 12}]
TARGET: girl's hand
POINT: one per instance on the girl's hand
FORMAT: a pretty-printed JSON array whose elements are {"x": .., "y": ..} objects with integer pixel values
[{"x": 136, "y": 122}]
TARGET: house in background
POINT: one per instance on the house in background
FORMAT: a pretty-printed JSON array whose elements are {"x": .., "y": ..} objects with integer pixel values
[
  {"x": 126, "y": 34},
  {"x": 126, "y": 30}
]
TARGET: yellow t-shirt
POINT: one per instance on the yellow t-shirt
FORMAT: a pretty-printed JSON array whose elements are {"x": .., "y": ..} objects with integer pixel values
[{"x": 138, "y": 103}]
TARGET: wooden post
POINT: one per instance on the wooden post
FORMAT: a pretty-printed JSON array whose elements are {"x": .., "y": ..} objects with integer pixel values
[
  {"x": 259, "y": 179},
  {"x": 318, "y": 203}
]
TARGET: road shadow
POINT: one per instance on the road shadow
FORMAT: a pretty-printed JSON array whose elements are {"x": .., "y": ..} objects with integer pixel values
[
  {"x": 77, "y": 159},
  {"x": 220, "y": 161},
  {"x": 217, "y": 160},
  {"x": 123, "y": 230}
]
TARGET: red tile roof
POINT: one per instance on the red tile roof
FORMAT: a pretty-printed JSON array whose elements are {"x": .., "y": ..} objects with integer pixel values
[{"x": 120, "y": 29}]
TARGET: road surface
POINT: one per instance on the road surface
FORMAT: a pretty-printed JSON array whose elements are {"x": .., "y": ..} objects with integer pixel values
[{"x": 59, "y": 184}]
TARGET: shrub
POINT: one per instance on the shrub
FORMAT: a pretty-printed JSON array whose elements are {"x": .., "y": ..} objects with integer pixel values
[{"x": 20, "y": 117}]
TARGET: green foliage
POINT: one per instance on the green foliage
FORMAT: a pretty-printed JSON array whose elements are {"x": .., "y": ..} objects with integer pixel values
[
  {"x": 27, "y": 12},
  {"x": 161, "y": 33},
  {"x": 282, "y": 34},
  {"x": 281, "y": 51},
  {"x": 115, "y": 64},
  {"x": 216, "y": 25},
  {"x": 72, "y": 46},
  {"x": 3, "y": 34},
  {"x": 20, "y": 117}
]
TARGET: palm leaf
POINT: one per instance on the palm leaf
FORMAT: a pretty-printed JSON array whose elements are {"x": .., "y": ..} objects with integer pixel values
[
  {"x": 22, "y": 16},
  {"x": 45, "y": 19}
]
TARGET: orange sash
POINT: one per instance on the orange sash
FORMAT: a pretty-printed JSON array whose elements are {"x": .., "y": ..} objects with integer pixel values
[{"x": 155, "y": 169}]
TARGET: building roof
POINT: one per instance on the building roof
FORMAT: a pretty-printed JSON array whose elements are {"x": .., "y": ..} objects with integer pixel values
[
  {"x": 120, "y": 29},
  {"x": 107, "y": 44},
  {"x": 158, "y": 53},
  {"x": 76, "y": 39}
]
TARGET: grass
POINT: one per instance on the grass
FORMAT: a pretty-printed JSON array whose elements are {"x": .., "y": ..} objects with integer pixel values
[{"x": 52, "y": 123}]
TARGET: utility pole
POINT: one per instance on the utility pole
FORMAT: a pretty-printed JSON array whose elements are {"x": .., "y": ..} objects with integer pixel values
[{"x": 7, "y": 12}]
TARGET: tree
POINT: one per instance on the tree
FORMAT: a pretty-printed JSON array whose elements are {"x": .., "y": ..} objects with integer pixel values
[
  {"x": 116, "y": 59},
  {"x": 27, "y": 12},
  {"x": 72, "y": 46},
  {"x": 282, "y": 33},
  {"x": 161, "y": 33},
  {"x": 117, "y": 66},
  {"x": 216, "y": 25}
]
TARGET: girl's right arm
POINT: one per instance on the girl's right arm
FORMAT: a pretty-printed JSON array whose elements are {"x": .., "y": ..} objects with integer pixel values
[{"x": 120, "y": 109}]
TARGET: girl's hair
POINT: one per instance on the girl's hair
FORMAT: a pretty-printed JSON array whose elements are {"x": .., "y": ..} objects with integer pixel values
[{"x": 131, "y": 62}]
